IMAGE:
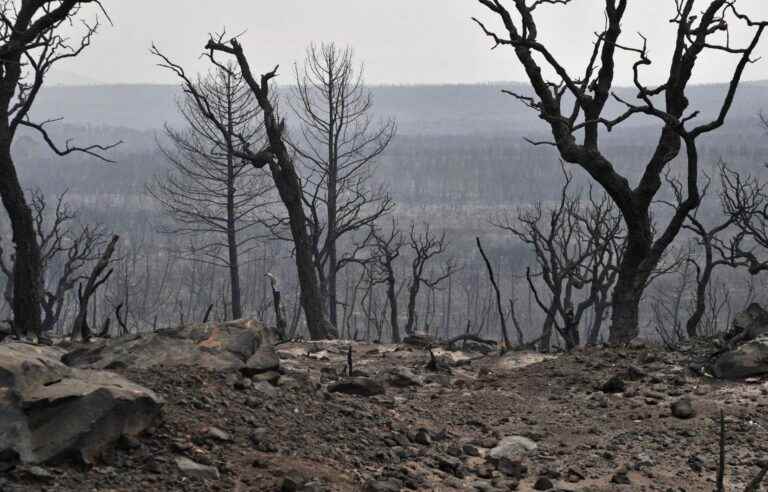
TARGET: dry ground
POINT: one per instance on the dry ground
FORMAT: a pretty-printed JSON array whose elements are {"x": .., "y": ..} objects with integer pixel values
[{"x": 301, "y": 433}]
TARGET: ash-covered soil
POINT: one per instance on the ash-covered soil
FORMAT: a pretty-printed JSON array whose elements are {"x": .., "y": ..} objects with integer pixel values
[{"x": 596, "y": 419}]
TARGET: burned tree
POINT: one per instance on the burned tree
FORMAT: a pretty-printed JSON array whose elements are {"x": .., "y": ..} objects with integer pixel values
[
  {"x": 338, "y": 144},
  {"x": 66, "y": 249},
  {"x": 211, "y": 195},
  {"x": 574, "y": 244},
  {"x": 492, "y": 278},
  {"x": 277, "y": 156},
  {"x": 424, "y": 247},
  {"x": 31, "y": 43},
  {"x": 99, "y": 275},
  {"x": 577, "y": 131},
  {"x": 716, "y": 247},
  {"x": 386, "y": 250}
]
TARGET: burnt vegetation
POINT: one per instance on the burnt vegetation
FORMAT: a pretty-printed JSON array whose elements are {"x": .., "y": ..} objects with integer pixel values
[{"x": 604, "y": 242}]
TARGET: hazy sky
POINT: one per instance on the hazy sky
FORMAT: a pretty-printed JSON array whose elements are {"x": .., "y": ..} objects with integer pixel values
[{"x": 400, "y": 41}]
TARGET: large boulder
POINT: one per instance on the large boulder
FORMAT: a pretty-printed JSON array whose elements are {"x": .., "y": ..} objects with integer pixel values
[
  {"x": 50, "y": 412},
  {"x": 747, "y": 360},
  {"x": 748, "y": 325},
  {"x": 243, "y": 344}
]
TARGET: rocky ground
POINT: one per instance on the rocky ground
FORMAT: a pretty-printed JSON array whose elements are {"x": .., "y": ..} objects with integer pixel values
[{"x": 597, "y": 419}]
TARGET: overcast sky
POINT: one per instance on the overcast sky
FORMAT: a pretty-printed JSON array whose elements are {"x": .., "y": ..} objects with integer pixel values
[{"x": 400, "y": 41}]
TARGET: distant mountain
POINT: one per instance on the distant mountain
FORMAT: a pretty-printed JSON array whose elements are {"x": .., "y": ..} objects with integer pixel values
[
  {"x": 59, "y": 78},
  {"x": 419, "y": 110}
]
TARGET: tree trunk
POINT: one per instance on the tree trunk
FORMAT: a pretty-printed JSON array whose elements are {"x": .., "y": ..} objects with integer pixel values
[
  {"x": 692, "y": 325},
  {"x": 288, "y": 185},
  {"x": 637, "y": 263},
  {"x": 27, "y": 264},
  {"x": 392, "y": 297},
  {"x": 545, "y": 344},
  {"x": 234, "y": 263},
  {"x": 413, "y": 292},
  {"x": 625, "y": 314},
  {"x": 597, "y": 323}
]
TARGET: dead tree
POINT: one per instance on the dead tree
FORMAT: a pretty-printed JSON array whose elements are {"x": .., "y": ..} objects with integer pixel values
[
  {"x": 574, "y": 244},
  {"x": 338, "y": 144},
  {"x": 386, "y": 250},
  {"x": 502, "y": 316},
  {"x": 31, "y": 43},
  {"x": 281, "y": 323},
  {"x": 577, "y": 131},
  {"x": 744, "y": 199},
  {"x": 424, "y": 247},
  {"x": 66, "y": 248},
  {"x": 278, "y": 158},
  {"x": 92, "y": 283},
  {"x": 212, "y": 196},
  {"x": 717, "y": 251}
]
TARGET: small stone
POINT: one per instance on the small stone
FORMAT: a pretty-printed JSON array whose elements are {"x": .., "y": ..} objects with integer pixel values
[
  {"x": 265, "y": 389},
  {"x": 196, "y": 470},
  {"x": 514, "y": 469},
  {"x": 543, "y": 483},
  {"x": 403, "y": 377},
  {"x": 513, "y": 448},
  {"x": 621, "y": 477},
  {"x": 634, "y": 373},
  {"x": 683, "y": 409},
  {"x": 40, "y": 473},
  {"x": 261, "y": 361},
  {"x": 217, "y": 434},
  {"x": 470, "y": 450},
  {"x": 270, "y": 377},
  {"x": 422, "y": 437},
  {"x": 696, "y": 463},
  {"x": 243, "y": 384},
  {"x": 614, "y": 385},
  {"x": 292, "y": 483},
  {"x": 357, "y": 386}
]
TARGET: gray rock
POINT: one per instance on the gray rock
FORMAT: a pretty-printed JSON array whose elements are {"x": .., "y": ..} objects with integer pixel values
[
  {"x": 265, "y": 389},
  {"x": 51, "y": 413},
  {"x": 271, "y": 377},
  {"x": 747, "y": 360},
  {"x": 422, "y": 437},
  {"x": 543, "y": 483},
  {"x": 513, "y": 448},
  {"x": 213, "y": 346},
  {"x": 263, "y": 360},
  {"x": 512, "y": 468},
  {"x": 621, "y": 477},
  {"x": 217, "y": 434},
  {"x": 357, "y": 386},
  {"x": 614, "y": 385},
  {"x": 683, "y": 409},
  {"x": 403, "y": 377},
  {"x": 196, "y": 470}
]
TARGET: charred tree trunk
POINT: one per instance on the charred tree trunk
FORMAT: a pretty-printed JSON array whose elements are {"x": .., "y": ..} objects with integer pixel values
[
  {"x": 27, "y": 264},
  {"x": 545, "y": 344},
  {"x": 280, "y": 322},
  {"x": 288, "y": 184},
  {"x": 84, "y": 293},
  {"x": 234, "y": 260},
  {"x": 392, "y": 299}
]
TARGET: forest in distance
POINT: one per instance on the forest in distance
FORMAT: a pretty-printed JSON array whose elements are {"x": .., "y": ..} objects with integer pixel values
[
  {"x": 455, "y": 174},
  {"x": 330, "y": 208}
]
